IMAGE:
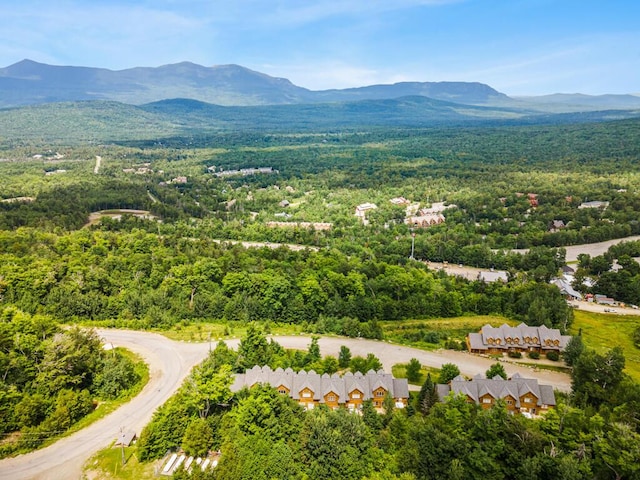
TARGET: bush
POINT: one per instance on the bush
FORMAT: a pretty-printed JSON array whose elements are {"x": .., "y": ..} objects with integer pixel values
[
  {"x": 553, "y": 356},
  {"x": 455, "y": 345},
  {"x": 514, "y": 354},
  {"x": 431, "y": 337},
  {"x": 534, "y": 355}
]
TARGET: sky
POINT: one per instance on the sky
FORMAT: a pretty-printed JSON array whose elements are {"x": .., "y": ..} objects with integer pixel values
[{"x": 518, "y": 47}]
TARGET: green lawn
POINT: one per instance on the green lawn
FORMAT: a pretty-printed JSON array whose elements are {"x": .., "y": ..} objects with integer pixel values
[{"x": 603, "y": 331}]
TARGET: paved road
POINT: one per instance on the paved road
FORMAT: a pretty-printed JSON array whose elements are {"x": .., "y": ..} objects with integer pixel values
[
  {"x": 593, "y": 249},
  {"x": 170, "y": 362},
  {"x": 390, "y": 354}
]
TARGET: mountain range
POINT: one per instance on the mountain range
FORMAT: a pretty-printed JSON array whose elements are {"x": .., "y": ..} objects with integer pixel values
[{"x": 32, "y": 83}]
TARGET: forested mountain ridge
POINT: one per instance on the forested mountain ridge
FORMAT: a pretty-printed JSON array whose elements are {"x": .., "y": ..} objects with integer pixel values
[
  {"x": 28, "y": 83},
  {"x": 98, "y": 121}
]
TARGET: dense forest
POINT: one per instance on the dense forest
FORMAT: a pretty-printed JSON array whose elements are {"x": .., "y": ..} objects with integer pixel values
[{"x": 146, "y": 280}]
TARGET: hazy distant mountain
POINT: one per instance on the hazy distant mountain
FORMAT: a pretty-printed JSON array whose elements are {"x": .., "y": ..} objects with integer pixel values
[
  {"x": 575, "y": 102},
  {"x": 29, "y": 82}
]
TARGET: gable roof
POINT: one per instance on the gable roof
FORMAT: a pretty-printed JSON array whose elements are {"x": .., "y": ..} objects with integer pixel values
[
  {"x": 524, "y": 336},
  {"x": 498, "y": 388},
  {"x": 321, "y": 385}
]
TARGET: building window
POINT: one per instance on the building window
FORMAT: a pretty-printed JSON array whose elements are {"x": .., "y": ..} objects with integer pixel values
[
  {"x": 306, "y": 395},
  {"x": 355, "y": 395},
  {"x": 380, "y": 393},
  {"x": 527, "y": 400},
  {"x": 509, "y": 402},
  {"x": 282, "y": 390},
  {"x": 331, "y": 398},
  {"x": 486, "y": 400}
]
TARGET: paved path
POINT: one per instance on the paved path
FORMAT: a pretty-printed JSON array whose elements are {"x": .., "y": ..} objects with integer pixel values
[
  {"x": 170, "y": 362},
  {"x": 96, "y": 169}
]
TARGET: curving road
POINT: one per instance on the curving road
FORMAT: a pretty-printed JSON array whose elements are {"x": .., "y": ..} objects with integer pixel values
[{"x": 170, "y": 362}]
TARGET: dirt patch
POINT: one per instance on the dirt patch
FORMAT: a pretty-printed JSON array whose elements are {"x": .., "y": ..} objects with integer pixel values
[{"x": 95, "y": 217}]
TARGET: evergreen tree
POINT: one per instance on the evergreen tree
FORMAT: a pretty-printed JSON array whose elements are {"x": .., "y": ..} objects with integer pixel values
[
  {"x": 427, "y": 397},
  {"x": 344, "y": 357},
  {"x": 413, "y": 370}
]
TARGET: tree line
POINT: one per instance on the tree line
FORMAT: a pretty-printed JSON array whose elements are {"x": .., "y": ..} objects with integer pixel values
[{"x": 146, "y": 280}]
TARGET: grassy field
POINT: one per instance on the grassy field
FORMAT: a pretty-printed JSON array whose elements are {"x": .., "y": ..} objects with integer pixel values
[
  {"x": 605, "y": 331},
  {"x": 412, "y": 332},
  {"x": 202, "y": 332}
]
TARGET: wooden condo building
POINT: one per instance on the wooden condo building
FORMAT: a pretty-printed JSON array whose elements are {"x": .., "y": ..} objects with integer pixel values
[
  {"x": 523, "y": 338},
  {"x": 310, "y": 388},
  {"x": 520, "y": 395}
]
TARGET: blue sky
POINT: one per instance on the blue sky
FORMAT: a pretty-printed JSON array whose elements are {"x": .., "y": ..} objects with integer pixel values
[{"x": 519, "y": 47}]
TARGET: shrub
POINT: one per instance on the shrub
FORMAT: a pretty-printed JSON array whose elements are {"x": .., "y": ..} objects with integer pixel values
[
  {"x": 431, "y": 337},
  {"x": 514, "y": 354},
  {"x": 455, "y": 345},
  {"x": 553, "y": 356},
  {"x": 534, "y": 355}
]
